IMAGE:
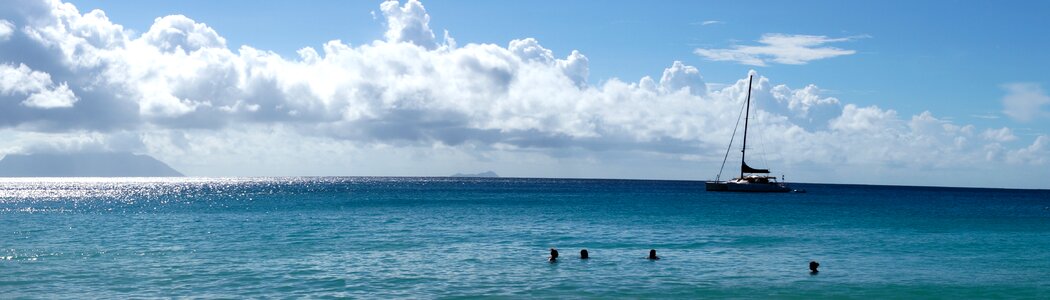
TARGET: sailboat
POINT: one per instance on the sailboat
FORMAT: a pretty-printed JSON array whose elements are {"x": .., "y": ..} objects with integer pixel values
[{"x": 751, "y": 179}]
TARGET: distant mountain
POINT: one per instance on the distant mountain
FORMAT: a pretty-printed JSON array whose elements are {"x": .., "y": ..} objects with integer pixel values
[
  {"x": 84, "y": 165},
  {"x": 482, "y": 174}
]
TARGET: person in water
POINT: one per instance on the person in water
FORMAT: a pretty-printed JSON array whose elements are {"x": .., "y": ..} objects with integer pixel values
[
  {"x": 554, "y": 255},
  {"x": 813, "y": 265},
  {"x": 652, "y": 254},
  {"x": 584, "y": 254}
]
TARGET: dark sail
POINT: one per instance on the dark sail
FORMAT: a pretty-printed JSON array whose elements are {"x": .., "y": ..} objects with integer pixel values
[{"x": 748, "y": 169}]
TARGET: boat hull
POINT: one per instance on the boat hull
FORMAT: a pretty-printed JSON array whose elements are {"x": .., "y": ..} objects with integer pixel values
[
  {"x": 723, "y": 186},
  {"x": 716, "y": 186}
]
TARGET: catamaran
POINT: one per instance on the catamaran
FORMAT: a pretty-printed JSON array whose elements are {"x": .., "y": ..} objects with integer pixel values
[{"x": 751, "y": 179}]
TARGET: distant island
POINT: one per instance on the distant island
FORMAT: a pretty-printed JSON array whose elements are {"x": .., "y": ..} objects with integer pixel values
[
  {"x": 488, "y": 174},
  {"x": 84, "y": 165}
]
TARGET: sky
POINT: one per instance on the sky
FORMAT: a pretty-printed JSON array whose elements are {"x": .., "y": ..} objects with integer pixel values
[{"x": 948, "y": 93}]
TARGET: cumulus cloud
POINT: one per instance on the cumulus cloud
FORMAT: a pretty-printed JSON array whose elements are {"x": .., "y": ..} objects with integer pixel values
[
  {"x": 1001, "y": 135},
  {"x": 179, "y": 33},
  {"x": 59, "y": 97},
  {"x": 1038, "y": 153},
  {"x": 37, "y": 86},
  {"x": 408, "y": 23},
  {"x": 1025, "y": 101},
  {"x": 6, "y": 29},
  {"x": 575, "y": 66},
  {"x": 779, "y": 48},
  {"x": 680, "y": 76},
  {"x": 806, "y": 102},
  {"x": 871, "y": 118},
  {"x": 180, "y": 92},
  {"x": 22, "y": 80}
]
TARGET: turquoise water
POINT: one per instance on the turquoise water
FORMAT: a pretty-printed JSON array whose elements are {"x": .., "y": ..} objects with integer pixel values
[{"x": 445, "y": 237}]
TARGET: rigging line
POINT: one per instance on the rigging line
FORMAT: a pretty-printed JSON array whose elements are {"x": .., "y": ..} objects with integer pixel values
[{"x": 731, "y": 138}]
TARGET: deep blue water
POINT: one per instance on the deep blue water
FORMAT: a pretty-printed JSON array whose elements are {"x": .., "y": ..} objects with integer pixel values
[{"x": 363, "y": 237}]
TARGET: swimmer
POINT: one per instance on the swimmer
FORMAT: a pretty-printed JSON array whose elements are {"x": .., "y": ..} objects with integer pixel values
[
  {"x": 584, "y": 254},
  {"x": 813, "y": 265},
  {"x": 652, "y": 254},
  {"x": 554, "y": 255}
]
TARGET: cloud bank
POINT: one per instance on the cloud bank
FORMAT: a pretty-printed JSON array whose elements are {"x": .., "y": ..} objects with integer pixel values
[{"x": 75, "y": 80}]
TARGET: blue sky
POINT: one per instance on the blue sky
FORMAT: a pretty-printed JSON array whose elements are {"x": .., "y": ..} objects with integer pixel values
[{"x": 903, "y": 91}]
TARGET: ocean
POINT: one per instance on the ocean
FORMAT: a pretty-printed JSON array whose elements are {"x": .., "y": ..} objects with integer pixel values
[{"x": 371, "y": 237}]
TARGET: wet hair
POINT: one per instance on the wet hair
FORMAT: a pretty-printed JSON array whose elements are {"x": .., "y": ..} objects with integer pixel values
[
  {"x": 813, "y": 265},
  {"x": 652, "y": 254},
  {"x": 584, "y": 254}
]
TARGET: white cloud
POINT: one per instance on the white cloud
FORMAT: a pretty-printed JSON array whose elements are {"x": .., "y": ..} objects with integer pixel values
[
  {"x": 779, "y": 48},
  {"x": 802, "y": 101},
  {"x": 22, "y": 80},
  {"x": 198, "y": 104},
  {"x": 40, "y": 92},
  {"x": 529, "y": 49},
  {"x": 6, "y": 29},
  {"x": 870, "y": 118},
  {"x": 409, "y": 23},
  {"x": 1001, "y": 135},
  {"x": 986, "y": 116},
  {"x": 1025, "y": 101},
  {"x": 82, "y": 38},
  {"x": 1038, "y": 153},
  {"x": 575, "y": 66},
  {"x": 680, "y": 76},
  {"x": 59, "y": 97},
  {"x": 179, "y": 33},
  {"x": 711, "y": 22}
]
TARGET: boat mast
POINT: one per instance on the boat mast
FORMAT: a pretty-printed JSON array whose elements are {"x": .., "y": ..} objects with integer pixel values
[{"x": 747, "y": 112}]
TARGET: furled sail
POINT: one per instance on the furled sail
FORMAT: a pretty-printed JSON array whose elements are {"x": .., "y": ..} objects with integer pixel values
[{"x": 747, "y": 169}]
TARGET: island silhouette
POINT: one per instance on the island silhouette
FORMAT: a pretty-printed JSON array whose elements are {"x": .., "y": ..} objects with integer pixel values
[
  {"x": 106, "y": 164},
  {"x": 488, "y": 174}
]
